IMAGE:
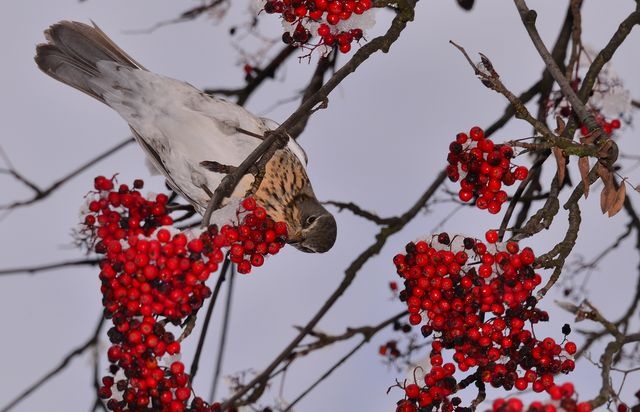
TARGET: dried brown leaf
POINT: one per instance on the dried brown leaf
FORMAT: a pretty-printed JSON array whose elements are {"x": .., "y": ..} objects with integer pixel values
[
  {"x": 583, "y": 166},
  {"x": 605, "y": 174},
  {"x": 608, "y": 194},
  {"x": 618, "y": 200},
  {"x": 561, "y": 161},
  {"x": 605, "y": 195}
]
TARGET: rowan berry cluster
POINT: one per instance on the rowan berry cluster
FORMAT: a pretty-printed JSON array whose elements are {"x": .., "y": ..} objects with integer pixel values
[
  {"x": 562, "y": 399},
  {"x": 484, "y": 168},
  {"x": 325, "y": 18},
  {"x": 476, "y": 299},
  {"x": 608, "y": 127},
  {"x": 153, "y": 275}
]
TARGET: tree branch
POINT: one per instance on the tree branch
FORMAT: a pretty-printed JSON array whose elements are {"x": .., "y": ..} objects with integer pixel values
[
  {"x": 278, "y": 138},
  {"x": 63, "y": 364},
  {"x": 350, "y": 273},
  {"x": 49, "y": 266},
  {"x": 529, "y": 20},
  {"x": 41, "y": 194}
]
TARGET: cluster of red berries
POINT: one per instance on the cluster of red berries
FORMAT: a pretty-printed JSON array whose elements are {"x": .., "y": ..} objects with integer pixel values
[
  {"x": 390, "y": 350},
  {"x": 607, "y": 126},
  {"x": 321, "y": 17},
  {"x": 151, "y": 277},
  {"x": 477, "y": 299},
  {"x": 562, "y": 399},
  {"x": 257, "y": 236},
  {"x": 484, "y": 168}
]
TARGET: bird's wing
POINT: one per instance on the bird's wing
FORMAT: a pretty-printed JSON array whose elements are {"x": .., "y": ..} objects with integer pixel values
[{"x": 180, "y": 127}]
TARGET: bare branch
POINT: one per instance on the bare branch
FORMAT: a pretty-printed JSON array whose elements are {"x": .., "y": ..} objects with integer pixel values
[
  {"x": 529, "y": 20},
  {"x": 223, "y": 336},
  {"x": 258, "y": 383},
  {"x": 41, "y": 194},
  {"x": 367, "y": 333},
  {"x": 358, "y": 211},
  {"x": 278, "y": 138},
  {"x": 63, "y": 364},
  {"x": 187, "y": 15},
  {"x": 268, "y": 72},
  {"x": 50, "y": 266},
  {"x": 207, "y": 319}
]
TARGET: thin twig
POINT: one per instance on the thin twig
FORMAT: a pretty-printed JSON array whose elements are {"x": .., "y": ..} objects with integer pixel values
[
  {"x": 41, "y": 194},
  {"x": 529, "y": 20},
  {"x": 279, "y": 137},
  {"x": 367, "y": 333},
  {"x": 50, "y": 266},
  {"x": 268, "y": 72},
  {"x": 187, "y": 15},
  {"x": 605, "y": 55},
  {"x": 207, "y": 318},
  {"x": 61, "y": 366},
  {"x": 358, "y": 211},
  {"x": 518, "y": 194},
  {"x": 223, "y": 335},
  {"x": 491, "y": 79},
  {"x": 259, "y": 382}
]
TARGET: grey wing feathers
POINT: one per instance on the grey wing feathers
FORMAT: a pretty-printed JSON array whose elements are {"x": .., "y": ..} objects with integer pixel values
[
  {"x": 73, "y": 51},
  {"x": 157, "y": 163}
]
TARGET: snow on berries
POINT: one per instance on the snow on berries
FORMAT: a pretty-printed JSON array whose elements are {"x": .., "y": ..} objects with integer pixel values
[
  {"x": 482, "y": 167},
  {"x": 476, "y": 300},
  {"x": 336, "y": 23},
  {"x": 609, "y": 102},
  {"x": 153, "y": 275}
]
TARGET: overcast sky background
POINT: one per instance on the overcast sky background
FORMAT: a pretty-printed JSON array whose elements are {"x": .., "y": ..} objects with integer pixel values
[{"x": 379, "y": 144}]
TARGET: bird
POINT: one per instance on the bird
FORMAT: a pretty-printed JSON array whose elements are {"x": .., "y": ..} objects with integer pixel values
[{"x": 189, "y": 136}]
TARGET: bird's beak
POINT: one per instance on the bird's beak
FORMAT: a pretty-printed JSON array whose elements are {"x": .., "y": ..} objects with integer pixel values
[
  {"x": 296, "y": 241},
  {"x": 300, "y": 247}
]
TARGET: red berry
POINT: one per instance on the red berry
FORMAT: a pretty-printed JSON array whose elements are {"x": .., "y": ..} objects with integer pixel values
[
  {"x": 182, "y": 394},
  {"x": 345, "y": 48},
  {"x": 491, "y": 236},
  {"x": 465, "y": 195},
  {"x": 412, "y": 391},
  {"x": 195, "y": 246},
  {"x": 257, "y": 260},
  {"x": 476, "y": 133},
  {"x": 244, "y": 267},
  {"x": 521, "y": 173},
  {"x": 333, "y": 18},
  {"x": 323, "y": 30},
  {"x": 615, "y": 123},
  {"x": 571, "y": 348},
  {"x": 177, "y": 368},
  {"x": 249, "y": 204}
]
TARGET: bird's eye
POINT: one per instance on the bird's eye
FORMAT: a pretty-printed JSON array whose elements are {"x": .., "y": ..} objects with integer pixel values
[{"x": 310, "y": 220}]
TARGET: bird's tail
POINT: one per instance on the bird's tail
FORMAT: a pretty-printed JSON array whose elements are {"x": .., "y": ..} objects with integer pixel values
[{"x": 72, "y": 53}]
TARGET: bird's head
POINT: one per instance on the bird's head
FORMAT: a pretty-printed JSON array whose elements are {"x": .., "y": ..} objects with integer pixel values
[{"x": 316, "y": 228}]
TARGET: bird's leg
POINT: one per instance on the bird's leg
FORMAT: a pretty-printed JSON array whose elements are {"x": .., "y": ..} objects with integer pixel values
[
  {"x": 258, "y": 176},
  {"x": 218, "y": 167},
  {"x": 206, "y": 190}
]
